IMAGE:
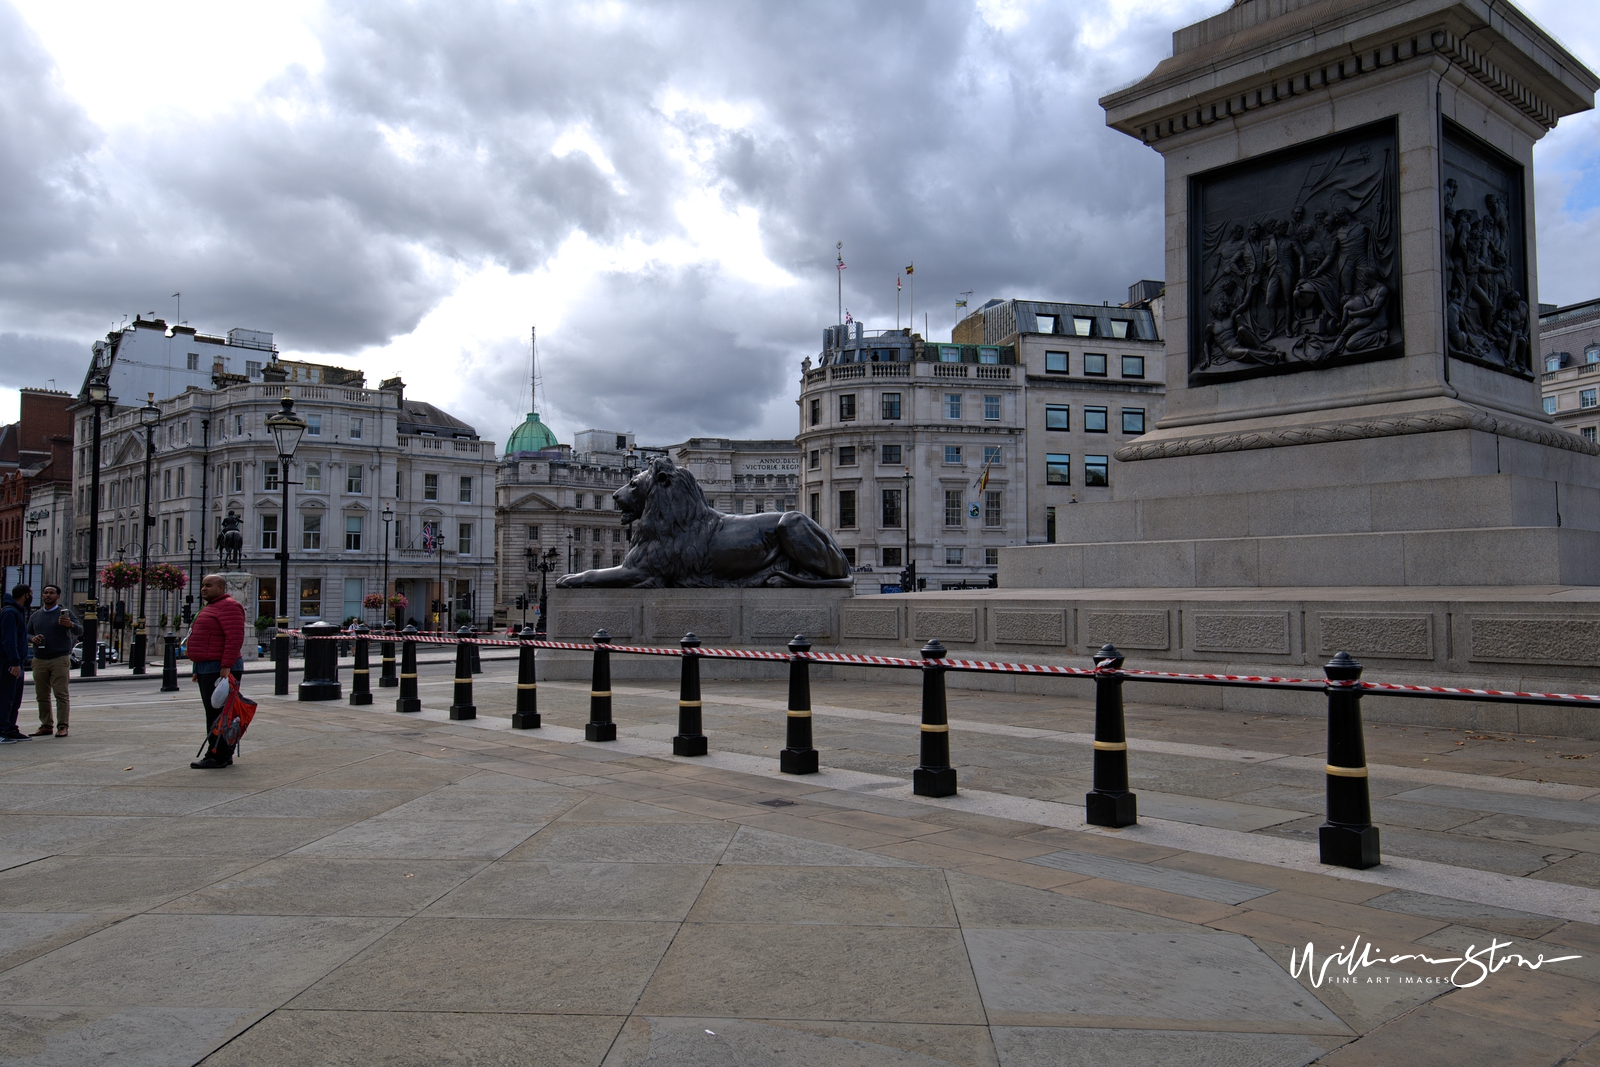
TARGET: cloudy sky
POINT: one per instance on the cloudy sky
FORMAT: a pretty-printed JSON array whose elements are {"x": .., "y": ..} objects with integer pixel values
[{"x": 408, "y": 187}]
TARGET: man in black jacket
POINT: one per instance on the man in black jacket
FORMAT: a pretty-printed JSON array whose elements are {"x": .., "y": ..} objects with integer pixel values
[
  {"x": 13, "y": 660},
  {"x": 52, "y": 629}
]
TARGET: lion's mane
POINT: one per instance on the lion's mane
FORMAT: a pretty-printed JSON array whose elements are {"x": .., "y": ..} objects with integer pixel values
[{"x": 672, "y": 537}]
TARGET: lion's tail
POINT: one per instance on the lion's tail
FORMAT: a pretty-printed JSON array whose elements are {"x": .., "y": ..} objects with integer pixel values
[{"x": 813, "y": 583}]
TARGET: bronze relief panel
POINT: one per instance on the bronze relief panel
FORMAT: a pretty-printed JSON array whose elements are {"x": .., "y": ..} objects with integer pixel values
[
  {"x": 1485, "y": 256},
  {"x": 1294, "y": 259}
]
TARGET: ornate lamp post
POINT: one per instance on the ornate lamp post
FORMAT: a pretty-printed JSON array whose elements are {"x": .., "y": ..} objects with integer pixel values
[
  {"x": 34, "y": 530},
  {"x": 908, "y": 574},
  {"x": 188, "y": 596},
  {"x": 286, "y": 428},
  {"x": 149, "y": 415},
  {"x": 388, "y": 517},
  {"x": 98, "y": 394},
  {"x": 569, "y": 551},
  {"x": 547, "y": 563}
]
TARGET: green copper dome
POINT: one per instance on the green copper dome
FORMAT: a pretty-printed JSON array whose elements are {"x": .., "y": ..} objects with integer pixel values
[{"x": 531, "y": 436}]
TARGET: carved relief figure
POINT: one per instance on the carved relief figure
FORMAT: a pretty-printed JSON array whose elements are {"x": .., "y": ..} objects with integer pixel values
[
  {"x": 1298, "y": 264},
  {"x": 1486, "y": 317}
]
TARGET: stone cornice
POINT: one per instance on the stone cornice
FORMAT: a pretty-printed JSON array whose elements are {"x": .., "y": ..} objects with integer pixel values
[{"x": 1358, "y": 430}]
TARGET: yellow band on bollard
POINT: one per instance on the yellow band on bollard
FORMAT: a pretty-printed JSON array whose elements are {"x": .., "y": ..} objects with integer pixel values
[
  {"x": 595, "y": 694},
  {"x": 927, "y": 729},
  {"x": 688, "y": 704},
  {"x": 527, "y": 685},
  {"x": 459, "y": 681},
  {"x": 408, "y": 676},
  {"x": 359, "y": 670},
  {"x": 1111, "y": 746},
  {"x": 1347, "y": 772},
  {"x": 800, "y": 714}
]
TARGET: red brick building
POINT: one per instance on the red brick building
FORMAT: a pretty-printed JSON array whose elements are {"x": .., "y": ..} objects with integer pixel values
[{"x": 35, "y": 450}]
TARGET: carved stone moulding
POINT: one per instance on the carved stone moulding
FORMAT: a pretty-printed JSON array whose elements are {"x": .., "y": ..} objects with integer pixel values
[
  {"x": 1294, "y": 259},
  {"x": 1487, "y": 314}
]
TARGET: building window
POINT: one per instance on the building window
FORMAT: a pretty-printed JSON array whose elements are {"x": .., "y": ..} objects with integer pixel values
[
  {"x": 991, "y": 409},
  {"x": 952, "y": 405},
  {"x": 181, "y": 491},
  {"x": 991, "y": 557},
  {"x": 949, "y": 354},
  {"x": 1588, "y": 433},
  {"x": 816, "y": 411},
  {"x": 847, "y": 509},
  {"x": 352, "y": 598},
  {"x": 1586, "y": 398},
  {"x": 1094, "y": 420},
  {"x": 1058, "y": 417},
  {"x": 847, "y": 407},
  {"x": 465, "y": 494},
  {"x": 814, "y": 460},
  {"x": 816, "y": 507},
  {"x": 1083, "y": 327},
  {"x": 352, "y": 533},
  {"x": 1132, "y": 366},
  {"x": 310, "y": 598},
  {"x": 166, "y": 485},
  {"x": 847, "y": 455},
  {"x": 1096, "y": 470},
  {"x": 891, "y": 509},
  {"x": 464, "y": 539},
  {"x": 1050, "y": 525},
  {"x": 311, "y": 532},
  {"x": 891, "y": 405},
  {"x": 238, "y": 426},
  {"x": 313, "y": 478},
  {"x": 533, "y": 533},
  {"x": 430, "y": 487},
  {"x": 1058, "y": 468},
  {"x": 616, "y": 557},
  {"x": 953, "y": 556},
  {"x": 269, "y": 533},
  {"x": 399, "y": 484},
  {"x": 269, "y": 477},
  {"x": 991, "y": 455},
  {"x": 1055, "y": 363},
  {"x": 952, "y": 454},
  {"x": 313, "y": 425},
  {"x": 991, "y": 508},
  {"x": 1549, "y": 405},
  {"x": 891, "y": 454},
  {"x": 1094, "y": 365},
  {"x": 890, "y": 557},
  {"x": 252, "y": 368},
  {"x": 355, "y": 429},
  {"x": 194, "y": 361},
  {"x": 1552, "y": 362},
  {"x": 849, "y": 556},
  {"x": 1133, "y": 420},
  {"x": 952, "y": 507},
  {"x": 1592, "y": 354}
]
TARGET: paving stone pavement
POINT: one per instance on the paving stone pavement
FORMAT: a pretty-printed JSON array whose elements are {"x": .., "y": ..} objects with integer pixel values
[{"x": 363, "y": 887}]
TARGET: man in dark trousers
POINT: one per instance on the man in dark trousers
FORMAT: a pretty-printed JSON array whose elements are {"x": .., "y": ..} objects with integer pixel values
[
  {"x": 14, "y": 657},
  {"x": 53, "y": 630},
  {"x": 214, "y": 643}
]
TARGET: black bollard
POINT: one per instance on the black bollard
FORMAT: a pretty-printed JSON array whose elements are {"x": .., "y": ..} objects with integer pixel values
[
  {"x": 690, "y": 740},
  {"x": 169, "y": 664},
  {"x": 1110, "y": 803},
  {"x": 798, "y": 757},
  {"x": 361, "y": 673},
  {"x": 462, "y": 707},
  {"x": 280, "y": 664},
  {"x": 526, "y": 717},
  {"x": 136, "y": 659},
  {"x": 408, "y": 702},
  {"x": 320, "y": 680},
  {"x": 935, "y": 778},
  {"x": 1348, "y": 838},
  {"x": 477, "y": 667},
  {"x": 387, "y": 680},
  {"x": 600, "y": 727}
]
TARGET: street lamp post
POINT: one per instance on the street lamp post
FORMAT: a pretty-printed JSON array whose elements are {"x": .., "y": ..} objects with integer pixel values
[
  {"x": 388, "y": 517},
  {"x": 98, "y": 393},
  {"x": 149, "y": 415},
  {"x": 34, "y": 530},
  {"x": 188, "y": 596},
  {"x": 908, "y": 574},
  {"x": 569, "y": 551},
  {"x": 547, "y": 563},
  {"x": 286, "y": 428}
]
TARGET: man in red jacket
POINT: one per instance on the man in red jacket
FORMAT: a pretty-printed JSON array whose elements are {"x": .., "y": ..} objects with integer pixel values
[{"x": 214, "y": 643}]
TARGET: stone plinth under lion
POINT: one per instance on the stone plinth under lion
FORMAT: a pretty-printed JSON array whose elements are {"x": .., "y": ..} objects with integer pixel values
[{"x": 678, "y": 540}]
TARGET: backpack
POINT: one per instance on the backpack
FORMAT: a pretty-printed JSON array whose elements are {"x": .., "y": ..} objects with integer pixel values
[{"x": 234, "y": 719}]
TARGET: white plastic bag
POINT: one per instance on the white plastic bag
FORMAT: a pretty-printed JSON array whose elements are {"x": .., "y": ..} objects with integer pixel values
[{"x": 219, "y": 695}]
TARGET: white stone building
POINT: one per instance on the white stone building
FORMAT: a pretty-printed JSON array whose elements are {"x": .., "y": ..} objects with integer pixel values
[
  {"x": 1569, "y": 343},
  {"x": 366, "y": 450}
]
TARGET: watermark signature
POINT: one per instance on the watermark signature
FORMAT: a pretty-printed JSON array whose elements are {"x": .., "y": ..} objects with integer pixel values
[{"x": 1471, "y": 967}]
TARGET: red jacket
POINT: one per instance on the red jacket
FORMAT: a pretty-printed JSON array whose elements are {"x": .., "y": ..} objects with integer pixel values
[{"x": 218, "y": 632}]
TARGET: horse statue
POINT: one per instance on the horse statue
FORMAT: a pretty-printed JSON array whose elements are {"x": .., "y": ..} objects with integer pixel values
[{"x": 230, "y": 542}]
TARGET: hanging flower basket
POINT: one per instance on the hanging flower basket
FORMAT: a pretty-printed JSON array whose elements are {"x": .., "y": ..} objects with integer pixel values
[
  {"x": 166, "y": 577},
  {"x": 398, "y": 602},
  {"x": 372, "y": 601},
  {"x": 120, "y": 575}
]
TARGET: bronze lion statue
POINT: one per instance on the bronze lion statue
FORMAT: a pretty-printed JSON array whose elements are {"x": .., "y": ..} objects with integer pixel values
[{"x": 678, "y": 540}]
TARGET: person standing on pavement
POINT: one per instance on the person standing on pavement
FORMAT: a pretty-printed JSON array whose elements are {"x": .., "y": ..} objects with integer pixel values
[
  {"x": 214, "y": 643},
  {"x": 13, "y": 660},
  {"x": 52, "y": 630}
]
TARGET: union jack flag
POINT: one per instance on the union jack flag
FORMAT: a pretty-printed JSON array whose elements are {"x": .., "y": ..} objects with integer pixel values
[{"x": 430, "y": 538}]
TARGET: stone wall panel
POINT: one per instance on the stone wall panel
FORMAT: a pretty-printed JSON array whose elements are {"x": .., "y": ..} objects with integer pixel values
[
  {"x": 1384, "y": 636},
  {"x": 1241, "y": 631},
  {"x": 1535, "y": 639},
  {"x": 1126, "y": 629},
  {"x": 946, "y": 626},
  {"x": 1028, "y": 627}
]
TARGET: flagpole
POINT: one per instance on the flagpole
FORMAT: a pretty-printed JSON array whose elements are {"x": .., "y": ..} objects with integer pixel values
[
  {"x": 839, "y": 270},
  {"x": 897, "y": 302}
]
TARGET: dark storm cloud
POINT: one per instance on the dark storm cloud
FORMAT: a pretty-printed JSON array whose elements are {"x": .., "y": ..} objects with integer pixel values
[{"x": 334, "y": 209}]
